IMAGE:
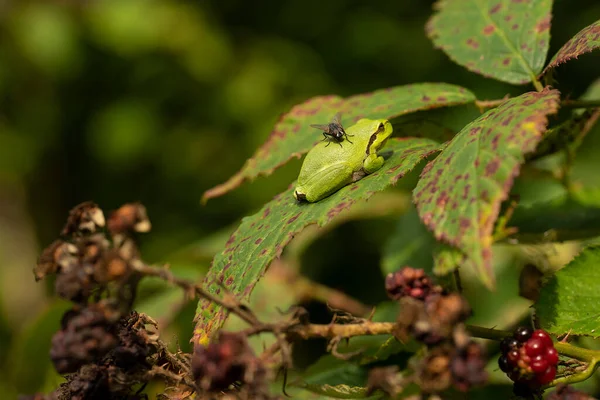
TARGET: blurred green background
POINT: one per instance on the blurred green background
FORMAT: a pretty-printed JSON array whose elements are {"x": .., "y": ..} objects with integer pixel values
[{"x": 159, "y": 100}]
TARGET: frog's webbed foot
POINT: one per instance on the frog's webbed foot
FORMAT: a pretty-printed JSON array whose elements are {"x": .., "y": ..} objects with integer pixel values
[{"x": 300, "y": 197}]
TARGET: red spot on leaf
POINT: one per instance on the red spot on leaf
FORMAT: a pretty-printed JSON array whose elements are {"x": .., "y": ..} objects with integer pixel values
[
  {"x": 544, "y": 24},
  {"x": 266, "y": 212},
  {"x": 442, "y": 199},
  {"x": 506, "y": 61},
  {"x": 489, "y": 29},
  {"x": 496, "y": 8},
  {"x": 426, "y": 98},
  {"x": 229, "y": 281},
  {"x": 466, "y": 190},
  {"x": 515, "y": 27},
  {"x": 492, "y": 167},
  {"x": 258, "y": 241},
  {"x": 441, "y": 99},
  {"x": 472, "y": 43},
  {"x": 295, "y": 217}
]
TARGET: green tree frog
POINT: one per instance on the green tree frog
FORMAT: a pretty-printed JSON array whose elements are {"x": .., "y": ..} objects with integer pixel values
[{"x": 326, "y": 170}]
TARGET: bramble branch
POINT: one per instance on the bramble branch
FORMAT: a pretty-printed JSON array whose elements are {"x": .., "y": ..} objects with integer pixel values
[
  {"x": 229, "y": 303},
  {"x": 330, "y": 331}
]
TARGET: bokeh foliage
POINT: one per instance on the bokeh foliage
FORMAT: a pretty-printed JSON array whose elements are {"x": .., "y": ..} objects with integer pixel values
[{"x": 159, "y": 100}]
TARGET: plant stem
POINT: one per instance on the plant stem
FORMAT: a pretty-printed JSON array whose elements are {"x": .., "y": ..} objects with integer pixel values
[
  {"x": 487, "y": 333},
  {"x": 580, "y": 103},
  {"x": 578, "y": 376},
  {"x": 580, "y": 353},
  {"x": 536, "y": 84},
  {"x": 330, "y": 331}
]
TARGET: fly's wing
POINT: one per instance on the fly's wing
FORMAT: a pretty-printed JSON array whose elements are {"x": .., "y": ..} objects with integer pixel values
[
  {"x": 337, "y": 119},
  {"x": 322, "y": 127}
]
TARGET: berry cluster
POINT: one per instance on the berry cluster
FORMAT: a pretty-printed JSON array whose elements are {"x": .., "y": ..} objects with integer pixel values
[
  {"x": 228, "y": 360},
  {"x": 435, "y": 317},
  {"x": 529, "y": 358},
  {"x": 408, "y": 281},
  {"x": 103, "y": 347}
]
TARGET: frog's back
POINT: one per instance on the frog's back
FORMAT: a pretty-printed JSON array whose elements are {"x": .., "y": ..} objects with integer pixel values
[{"x": 330, "y": 165}]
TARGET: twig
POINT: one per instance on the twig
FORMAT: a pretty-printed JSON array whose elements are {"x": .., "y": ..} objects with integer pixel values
[
  {"x": 158, "y": 372},
  {"x": 331, "y": 331},
  {"x": 229, "y": 303}
]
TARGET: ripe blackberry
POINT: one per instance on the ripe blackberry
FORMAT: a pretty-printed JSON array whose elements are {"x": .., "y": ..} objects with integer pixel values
[
  {"x": 523, "y": 333},
  {"x": 529, "y": 358}
]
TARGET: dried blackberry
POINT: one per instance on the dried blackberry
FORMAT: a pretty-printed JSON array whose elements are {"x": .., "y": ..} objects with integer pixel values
[
  {"x": 468, "y": 367},
  {"x": 409, "y": 282},
  {"x": 84, "y": 219},
  {"x": 387, "y": 379},
  {"x": 565, "y": 392},
  {"x": 129, "y": 218},
  {"x": 133, "y": 346},
  {"x": 87, "y": 335},
  {"x": 433, "y": 373},
  {"x": 224, "y": 362}
]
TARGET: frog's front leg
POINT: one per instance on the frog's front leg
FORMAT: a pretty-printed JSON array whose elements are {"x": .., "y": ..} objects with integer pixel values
[{"x": 372, "y": 163}]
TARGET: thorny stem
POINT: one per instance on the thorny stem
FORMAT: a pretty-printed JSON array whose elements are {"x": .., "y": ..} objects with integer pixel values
[
  {"x": 364, "y": 328},
  {"x": 485, "y": 104},
  {"x": 331, "y": 331}
]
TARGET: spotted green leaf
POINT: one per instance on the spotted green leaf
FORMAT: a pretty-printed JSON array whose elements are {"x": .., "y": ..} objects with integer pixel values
[
  {"x": 586, "y": 40},
  {"x": 502, "y": 39},
  {"x": 292, "y": 136},
  {"x": 569, "y": 300},
  {"x": 261, "y": 238},
  {"x": 459, "y": 194}
]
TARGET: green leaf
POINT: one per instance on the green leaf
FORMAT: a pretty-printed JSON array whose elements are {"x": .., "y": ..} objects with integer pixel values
[
  {"x": 502, "y": 39},
  {"x": 293, "y": 136},
  {"x": 459, "y": 194},
  {"x": 410, "y": 244},
  {"x": 262, "y": 237},
  {"x": 446, "y": 259},
  {"x": 586, "y": 40},
  {"x": 334, "y": 371},
  {"x": 569, "y": 300}
]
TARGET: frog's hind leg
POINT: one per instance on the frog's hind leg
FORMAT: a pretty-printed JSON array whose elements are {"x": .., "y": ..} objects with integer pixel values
[{"x": 327, "y": 182}]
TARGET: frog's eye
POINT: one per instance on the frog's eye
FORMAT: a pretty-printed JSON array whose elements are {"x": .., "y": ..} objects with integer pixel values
[{"x": 381, "y": 127}]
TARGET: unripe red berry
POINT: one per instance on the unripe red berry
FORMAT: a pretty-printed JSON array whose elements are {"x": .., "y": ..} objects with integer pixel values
[
  {"x": 552, "y": 356},
  {"x": 547, "y": 376},
  {"x": 543, "y": 336},
  {"x": 534, "y": 347},
  {"x": 539, "y": 364}
]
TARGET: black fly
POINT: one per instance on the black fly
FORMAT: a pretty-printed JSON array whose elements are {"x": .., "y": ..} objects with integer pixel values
[{"x": 333, "y": 130}]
